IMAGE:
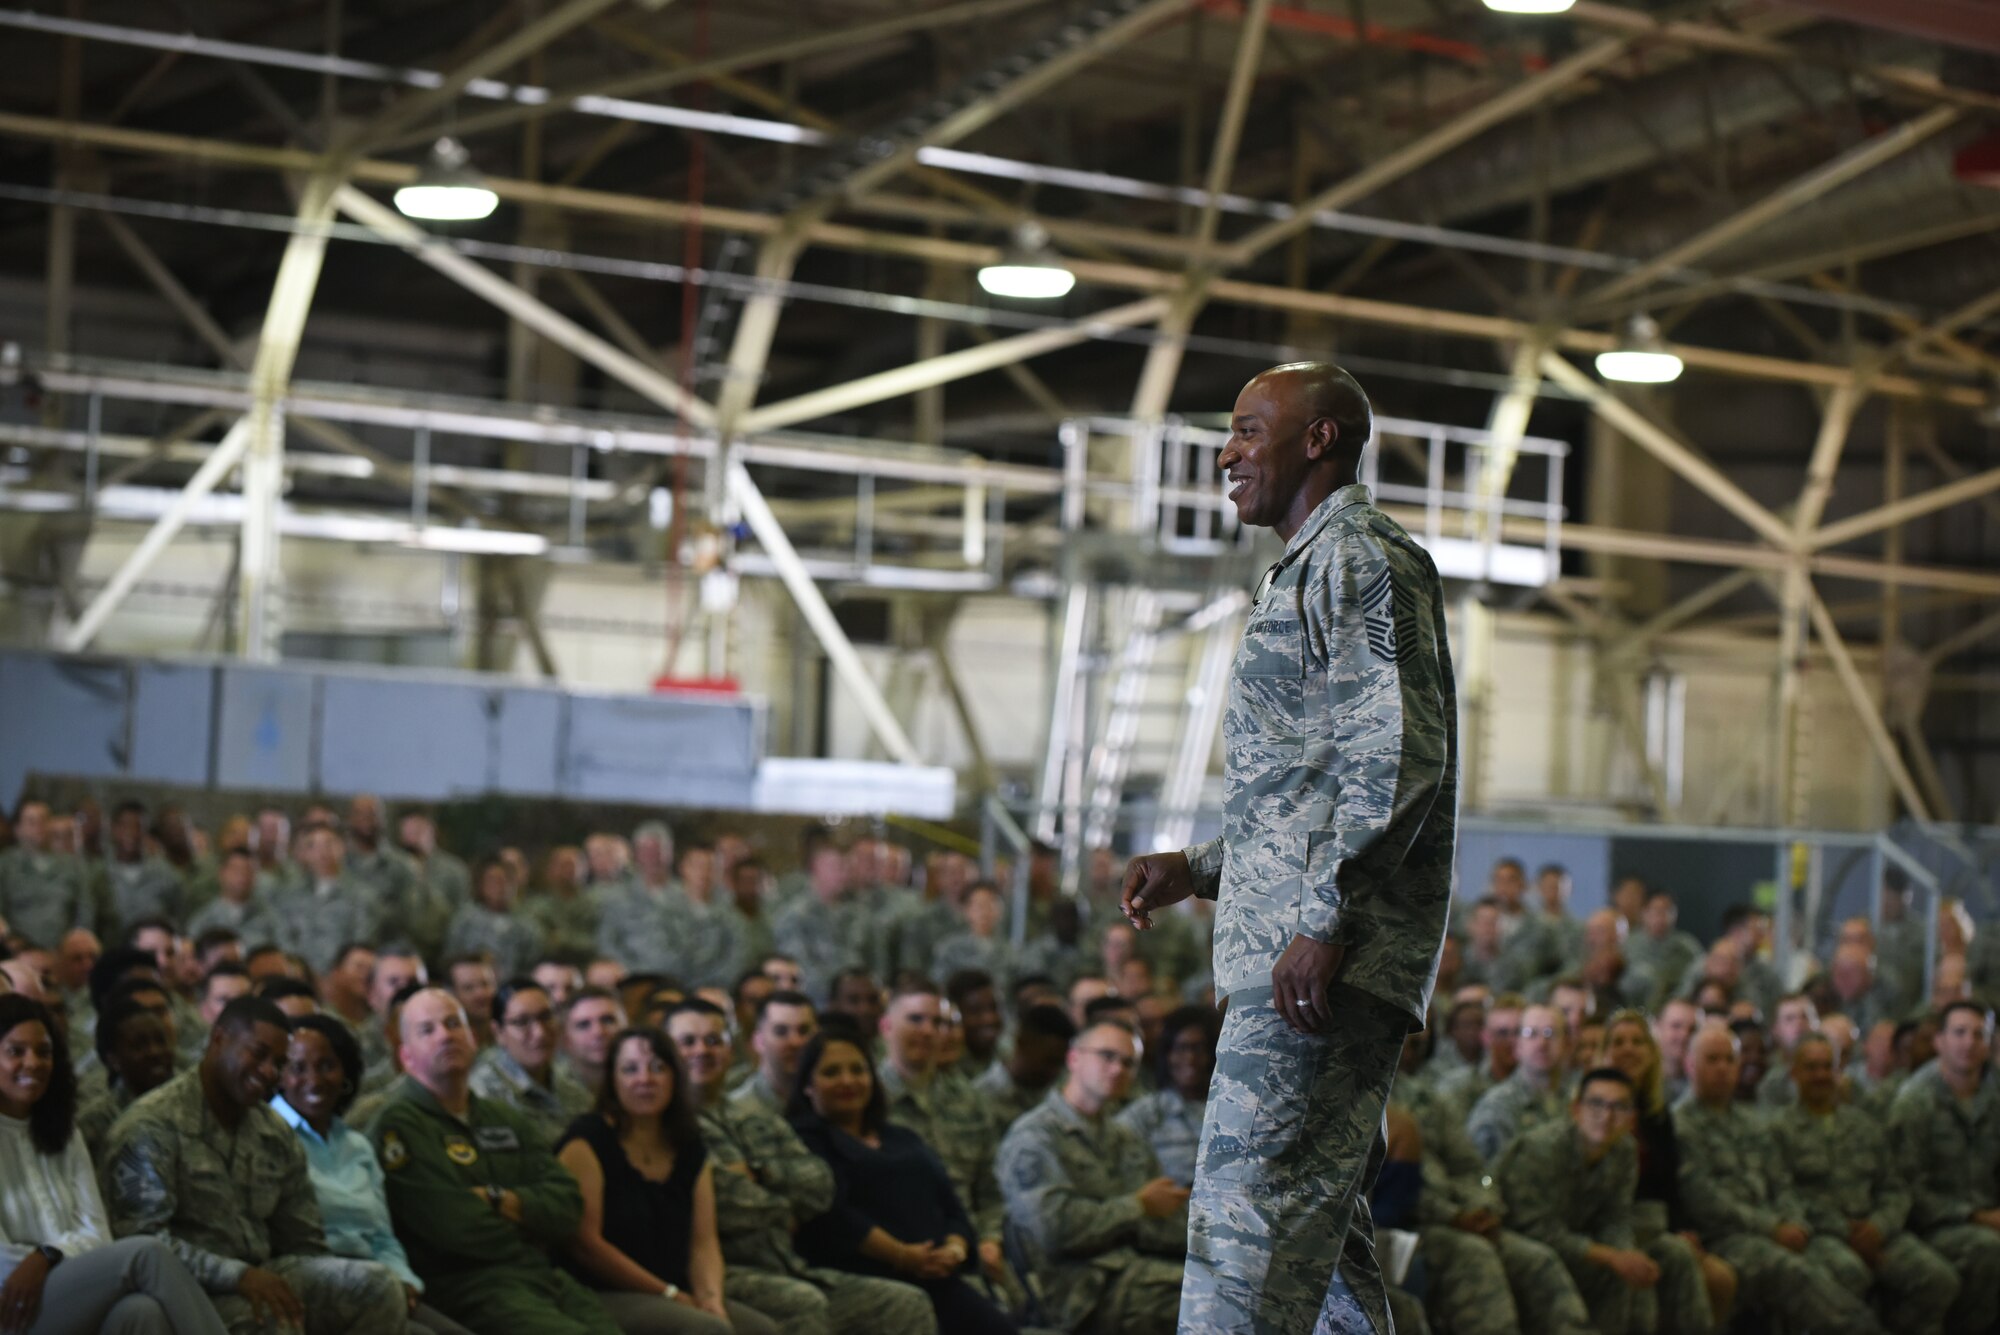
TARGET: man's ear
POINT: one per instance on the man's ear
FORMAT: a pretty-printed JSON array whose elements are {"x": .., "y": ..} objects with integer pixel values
[{"x": 1322, "y": 434}]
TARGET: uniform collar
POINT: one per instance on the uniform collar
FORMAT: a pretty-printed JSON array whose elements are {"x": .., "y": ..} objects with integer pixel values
[
  {"x": 1354, "y": 493},
  {"x": 1073, "y": 1121}
]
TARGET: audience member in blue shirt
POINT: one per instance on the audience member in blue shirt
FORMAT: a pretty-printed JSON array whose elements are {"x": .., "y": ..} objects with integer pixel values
[{"x": 322, "y": 1073}]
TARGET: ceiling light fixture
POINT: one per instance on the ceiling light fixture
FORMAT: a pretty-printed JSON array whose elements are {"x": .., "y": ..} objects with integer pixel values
[
  {"x": 1029, "y": 269},
  {"x": 1529, "y": 6},
  {"x": 447, "y": 189},
  {"x": 1641, "y": 357}
]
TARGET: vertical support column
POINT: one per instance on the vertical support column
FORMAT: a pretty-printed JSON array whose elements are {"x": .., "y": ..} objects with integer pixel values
[
  {"x": 1789, "y": 800},
  {"x": 1063, "y": 692},
  {"x": 62, "y": 218},
  {"x": 1475, "y": 693},
  {"x": 1781, "y": 916}
]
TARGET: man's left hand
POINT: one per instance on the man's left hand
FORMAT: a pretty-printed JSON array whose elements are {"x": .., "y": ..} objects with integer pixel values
[{"x": 1301, "y": 981}]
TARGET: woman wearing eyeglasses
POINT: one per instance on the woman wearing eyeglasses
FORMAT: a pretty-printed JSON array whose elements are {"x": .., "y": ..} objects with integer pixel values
[
  {"x": 1659, "y": 1220},
  {"x": 520, "y": 1069},
  {"x": 894, "y": 1213}
]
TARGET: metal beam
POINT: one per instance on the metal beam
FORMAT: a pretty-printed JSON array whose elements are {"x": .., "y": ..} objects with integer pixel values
[
  {"x": 1486, "y": 114},
  {"x": 1661, "y": 444},
  {"x": 1910, "y": 507},
  {"x": 812, "y": 606},
  {"x": 942, "y": 370},
  {"x": 1132, "y": 277},
  {"x": 1785, "y": 199},
  {"x": 1834, "y": 424},
  {"x": 537, "y": 315},
  {"x": 1865, "y": 708},
  {"x": 225, "y": 457}
]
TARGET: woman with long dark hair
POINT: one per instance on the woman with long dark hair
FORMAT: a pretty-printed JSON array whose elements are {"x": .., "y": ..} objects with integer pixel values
[
  {"x": 894, "y": 1213},
  {"x": 60, "y": 1271},
  {"x": 648, "y": 1242}
]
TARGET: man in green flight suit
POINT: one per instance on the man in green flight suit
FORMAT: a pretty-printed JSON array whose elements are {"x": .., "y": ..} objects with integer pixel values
[
  {"x": 476, "y": 1196},
  {"x": 1331, "y": 876}
]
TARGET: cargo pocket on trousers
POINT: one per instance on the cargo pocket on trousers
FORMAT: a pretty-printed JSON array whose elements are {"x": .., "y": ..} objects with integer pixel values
[{"x": 1262, "y": 1102}]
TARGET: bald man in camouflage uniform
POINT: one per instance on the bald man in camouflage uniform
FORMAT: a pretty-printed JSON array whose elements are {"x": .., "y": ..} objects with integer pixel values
[
  {"x": 1332, "y": 874},
  {"x": 1856, "y": 1199}
]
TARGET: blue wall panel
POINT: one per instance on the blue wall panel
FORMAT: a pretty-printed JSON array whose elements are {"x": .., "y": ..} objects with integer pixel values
[
  {"x": 661, "y": 749},
  {"x": 401, "y": 738},
  {"x": 173, "y": 721},
  {"x": 264, "y": 737},
  {"x": 524, "y": 742},
  {"x": 60, "y": 716}
]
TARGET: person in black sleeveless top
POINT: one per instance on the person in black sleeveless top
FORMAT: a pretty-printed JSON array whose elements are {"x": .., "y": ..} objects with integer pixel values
[
  {"x": 647, "y": 1242},
  {"x": 894, "y": 1211}
]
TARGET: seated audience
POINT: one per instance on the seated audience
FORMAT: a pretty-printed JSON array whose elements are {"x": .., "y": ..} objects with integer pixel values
[
  {"x": 1169, "y": 1118},
  {"x": 474, "y": 1192},
  {"x": 768, "y": 1182},
  {"x": 894, "y": 1213},
  {"x": 1031, "y": 1070},
  {"x": 1946, "y": 1123},
  {"x": 321, "y": 1075},
  {"x": 593, "y": 1017},
  {"x": 473, "y": 980},
  {"x": 203, "y": 1163},
  {"x": 855, "y": 994},
  {"x": 521, "y": 1069},
  {"x": 136, "y": 1050},
  {"x": 396, "y": 968},
  {"x": 488, "y": 925},
  {"x": 1108, "y": 1228},
  {"x": 647, "y": 1242},
  {"x": 1737, "y": 1201},
  {"x": 1854, "y": 1197},
  {"x": 976, "y": 997},
  {"x": 1660, "y": 1222},
  {"x": 1533, "y": 1093},
  {"x": 982, "y": 943},
  {"x": 785, "y": 1023},
  {"x": 61, "y": 1273},
  {"x": 1569, "y": 1184}
]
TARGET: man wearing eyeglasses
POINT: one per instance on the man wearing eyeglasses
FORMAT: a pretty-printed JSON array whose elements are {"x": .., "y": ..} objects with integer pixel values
[
  {"x": 1332, "y": 875},
  {"x": 1088, "y": 1195},
  {"x": 1570, "y": 1184},
  {"x": 1530, "y": 1096},
  {"x": 1743, "y": 1206}
]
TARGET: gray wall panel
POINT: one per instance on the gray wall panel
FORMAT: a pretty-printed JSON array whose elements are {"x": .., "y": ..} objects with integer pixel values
[
  {"x": 524, "y": 740},
  {"x": 60, "y": 716},
  {"x": 401, "y": 738},
  {"x": 660, "y": 749},
  {"x": 265, "y": 732},
  {"x": 173, "y": 721}
]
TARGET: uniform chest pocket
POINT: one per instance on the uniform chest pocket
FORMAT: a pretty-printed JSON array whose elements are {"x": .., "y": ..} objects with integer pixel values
[{"x": 1273, "y": 646}]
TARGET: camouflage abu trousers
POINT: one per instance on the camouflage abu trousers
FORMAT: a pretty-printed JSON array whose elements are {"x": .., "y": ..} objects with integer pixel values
[
  {"x": 341, "y": 1297},
  {"x": 1280, "y": 1241}
]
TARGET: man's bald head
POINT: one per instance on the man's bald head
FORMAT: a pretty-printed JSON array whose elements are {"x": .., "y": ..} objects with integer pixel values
[
  {"x": 1316, "y": 390},
  {"x": 1295, "y": 437}
]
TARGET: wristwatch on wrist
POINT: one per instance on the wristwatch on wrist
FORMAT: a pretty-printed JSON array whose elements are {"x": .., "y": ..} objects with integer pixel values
[
  {"x": 53, "y": 1255},
  {"x": 671, "y": 1292},
  {"x": 494, "y": 1196}
]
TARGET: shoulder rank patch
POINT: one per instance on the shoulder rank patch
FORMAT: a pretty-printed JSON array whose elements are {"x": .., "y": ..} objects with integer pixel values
[
  {"x": 459, "y": 1150},
  {"x": 394, "y": 1153},
  {"x": 1378, "y": 614}
]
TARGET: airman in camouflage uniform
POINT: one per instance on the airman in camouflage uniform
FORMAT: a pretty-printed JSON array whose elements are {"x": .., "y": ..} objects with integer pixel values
[
  {"x": 404, "y": 901},
  {"x": 1855, "y": 1197},
  {"x": 1533, "y": 1094},
  {"x": 1076, "y": 1188},
  {"x": 1339, "y": 816},
  {"x": 235, "y": 1203},
  {"x": 942, "y": 1109},
  {"x": 1485, "y": 1279},
  {"x": 551, "y": 1107},
  {"x": 710, "y": 935},
  {"x": 511, "y": 941},
  {"x": 766, "y": 1181},
  {"x": 42, "y": 894},
  {"x": 146, "y": 887},
  {"x": 638, "y": 927},
  {"x": 825, "y": 935},
  {"x": 1570, "y": 1185},
  {"x": 331, "y": 909},
  {"x": 1742, "y": 1204},
  {"x": 1171, "y": 1127},
  {"x": 1946, "y": 1121}
]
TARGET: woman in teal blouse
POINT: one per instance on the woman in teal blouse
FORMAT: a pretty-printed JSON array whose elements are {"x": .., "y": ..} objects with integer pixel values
[{"x": 322, "y": 1073}]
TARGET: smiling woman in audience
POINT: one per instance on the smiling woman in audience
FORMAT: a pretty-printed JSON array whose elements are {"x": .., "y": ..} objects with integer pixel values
[
  {"x": 520, "y": 1069},
  {"x": 322, "y": 1071},
  {"x": 60, "y": 1272},
  {"x": 894, "y": 1212},
  {"x": 648, "y": 1242}
]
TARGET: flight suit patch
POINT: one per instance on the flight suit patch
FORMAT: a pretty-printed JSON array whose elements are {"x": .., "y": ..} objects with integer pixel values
[
  {"x": 394, "y": 1153},
  {"x": 459, "y": 1150}
]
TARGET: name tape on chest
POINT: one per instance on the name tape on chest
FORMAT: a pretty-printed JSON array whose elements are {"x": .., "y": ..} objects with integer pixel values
[{"x": 496, "y": 1138}]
